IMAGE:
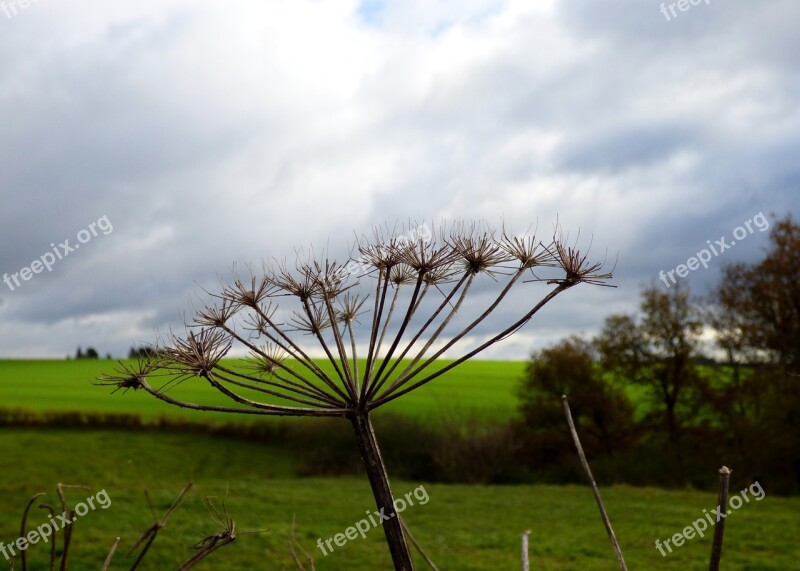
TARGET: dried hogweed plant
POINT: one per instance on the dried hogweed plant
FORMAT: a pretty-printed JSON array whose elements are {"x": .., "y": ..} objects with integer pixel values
[{"x": 410, "y": 301}]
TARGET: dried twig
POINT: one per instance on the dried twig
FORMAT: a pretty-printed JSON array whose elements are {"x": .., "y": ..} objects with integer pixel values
[
  {"x": 149, "y": 535},
  {"x": 110, "y": 555},
  {"x": 54, "y": 537},
  {"x": 218, "y": 540},
  {"x": 595, "y": 491},
  {"x": 719, "y": 530},
  {"x": 292, "y": 542},
  {"x": 69, "y": 515},
  {"x": 416, "y": 544},
  {"x": 23, "y": 525}
]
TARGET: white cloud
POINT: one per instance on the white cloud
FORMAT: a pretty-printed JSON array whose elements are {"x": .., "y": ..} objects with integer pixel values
[{"x": 215, "y": 132}]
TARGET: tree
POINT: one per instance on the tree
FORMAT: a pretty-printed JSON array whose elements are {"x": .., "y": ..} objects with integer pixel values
[
  {"x": 657, "y": 352},
  {"x": 756, "y": 310},
  {"x": 568, "y": 368},
  {"x": 762, "y": 301},
  {"x": 418, "y": 285}
]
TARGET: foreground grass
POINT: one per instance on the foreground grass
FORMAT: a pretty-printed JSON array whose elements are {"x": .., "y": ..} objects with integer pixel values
[
  {"x": 485, "y": 389},
  {"x": 462, "y": 527}
]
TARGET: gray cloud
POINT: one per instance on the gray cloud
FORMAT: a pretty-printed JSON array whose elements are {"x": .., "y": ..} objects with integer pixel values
[{"x": 215, "y": 133}]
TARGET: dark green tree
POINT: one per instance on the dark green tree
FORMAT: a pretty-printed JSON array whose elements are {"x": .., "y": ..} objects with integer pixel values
[
  {"x": 600, "y": 409},
  {"x": 657, "y": 351}
]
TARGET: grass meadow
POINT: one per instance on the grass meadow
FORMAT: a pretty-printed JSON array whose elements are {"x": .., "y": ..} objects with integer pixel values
[
  {"x": 483, "y": 389},
  {"x": 462, "y": 527}
]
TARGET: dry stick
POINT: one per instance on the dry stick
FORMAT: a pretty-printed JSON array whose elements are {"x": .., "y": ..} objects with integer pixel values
[
  {"x": 595, "y": 491},
  {"x": 388, "y": 318},
  {"x": 110, "y": 556},
  {"x": 210, "y": 377},
  {"x": 262, "y": 409},
  {"x": 255, "y": 383},
  {"x": 354, "y": 355},
  {"x": 719, "y": 530},
  {"x": 295, "y": 351},
  {"x": 318, "y": 334},
  {"x": 466, "y": 281},
  {"x": 256, "y": 388},
  {"x": 407, "y": 531},
  {"x": 52, "y": 512},
  {"x": 258, "y": 351},
  {"x": 218, "y": 540},
  {"x": 215, "y": 542},
  {"x": 151, "y": 532},
  {"x": 68, "y": 527},
  {"x": 337, "y": 336},
  {"x": 24, "y": 524},
  {"x": 404, "y": 378},
  {"x": 386, "y": 396},
  {"x": 403, "y": 325},
  {"x": 526, "y": 566},
  {"x": 380, "y": 300},
  {"x": 422, "y": 329},
  {"x": 292, "y": 541}
]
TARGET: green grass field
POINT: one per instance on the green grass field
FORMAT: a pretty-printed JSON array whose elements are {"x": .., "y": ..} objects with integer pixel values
[
  {"x": 462, "y": 527},
  {"x": 485, "y": 389}
]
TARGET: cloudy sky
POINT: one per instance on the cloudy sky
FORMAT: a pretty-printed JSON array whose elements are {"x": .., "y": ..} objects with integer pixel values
[{"x": 191, "y": 135}]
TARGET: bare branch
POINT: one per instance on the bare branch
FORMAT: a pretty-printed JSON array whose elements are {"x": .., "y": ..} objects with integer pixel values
[
  {"x": 611, "y": 536},
  {"x": 110, "y": 555}
]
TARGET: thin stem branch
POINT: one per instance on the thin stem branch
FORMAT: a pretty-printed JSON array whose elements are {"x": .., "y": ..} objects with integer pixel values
[
  {"x": 292, "y": 387},
  {"x": 432, "y": 339},
  {"x": 401, "y": 389},
  {"x": 416, "y": 544},
  {"x": 403, "y": 379},
  {"x": 257, "y": 388},
  {"x": 266, "y": 410},
  {"x": 110, "y": 555},
  {"x": 23, "y": 525},
  {"x": 343, "y": 359},
  {"x": 327, "y": 380},
  {"x": 291, "y": 347},
  {"x": 610, "y": 530},
  {"x": 403, "y": 326},
  {"x": 380, "y": 300},
  {"x": 324, "y": 345}
]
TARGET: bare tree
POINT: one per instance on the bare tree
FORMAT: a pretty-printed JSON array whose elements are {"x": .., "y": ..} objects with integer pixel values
[{"x": 420, "y": 288}]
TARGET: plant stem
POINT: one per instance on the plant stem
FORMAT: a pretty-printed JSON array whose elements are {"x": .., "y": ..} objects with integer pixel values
[
  {"x": 379, "y": 481},
  {"x": 607, "y": 522}
]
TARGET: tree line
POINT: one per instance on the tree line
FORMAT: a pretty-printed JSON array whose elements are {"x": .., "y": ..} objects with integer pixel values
[{"x": 687, "y": 383}]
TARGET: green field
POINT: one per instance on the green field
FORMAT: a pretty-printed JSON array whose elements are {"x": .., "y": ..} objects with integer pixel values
[
  {"x": 485, "y": 389},
  {"x": 462, "y": 527}
]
